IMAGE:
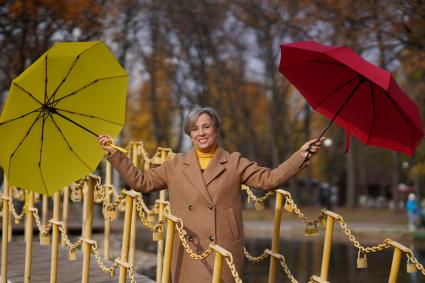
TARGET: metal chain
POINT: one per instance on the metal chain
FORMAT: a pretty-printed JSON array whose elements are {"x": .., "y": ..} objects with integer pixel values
[
  {"x": 141, "y": 202},
  {"x": 192, "y": 254},
  {"x": 113, "y": 205},
  {"x": 252, "y": 258},
  {"x": 252, "y": 197},
  {"x": 131, "y": 274},
  {"x": 71, "y": 246},
  {"x": 286, "y": 269},
  {"x": 153, "y": 227},
  {"x": 18, "y": 217},
  {"x": 300, "y": 215},
  {"x": 110, "y": 270},
  {"x": 232, "y": 267},
  {"x": 44, "y": 229},
  {"x": 352, "y": 238},
  {"x": 415, "y": 261}
]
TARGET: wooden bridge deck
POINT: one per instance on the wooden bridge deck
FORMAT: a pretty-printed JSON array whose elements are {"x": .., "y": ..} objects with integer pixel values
[{"x": 68, "y": 271}]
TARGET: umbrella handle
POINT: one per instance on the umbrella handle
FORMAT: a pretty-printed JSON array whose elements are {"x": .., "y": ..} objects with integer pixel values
[
  {"x": 117, "y": 147},
  {"x": 307, "y": 158}
]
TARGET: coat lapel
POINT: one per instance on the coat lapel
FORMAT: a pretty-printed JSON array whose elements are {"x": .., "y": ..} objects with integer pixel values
[
  {"x": 216, "y": 166},
  {"x": 193, "y": 173}
]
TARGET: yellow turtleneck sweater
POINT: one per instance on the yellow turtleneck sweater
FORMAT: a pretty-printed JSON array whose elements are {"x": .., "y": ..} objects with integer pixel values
[{"x": 204, "y": 158}]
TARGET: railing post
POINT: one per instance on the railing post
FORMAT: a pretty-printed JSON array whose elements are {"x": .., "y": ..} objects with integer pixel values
[
  {"x": 88, "y": 201},
  {"x": 28, "y": 237},
  {"x": 218, "y": 263},
  {"x": 132, "y": 255},
  {"x": 45, "y": 209},
  {"x": 160, "y": 243},
  {"x": 395, "y": 265},
  {"x": 55, "y": 237},
  {"x": 108, "y": 197},
  {"x": 65, "y": 211},
  {"x": 328, "y": 244},
  {"x": 276, "y": 235},
  {"x": 126, "y": 233},
  {"x": 171, "y": 223},
  {"x": 10, "y": 231},
  {"x": 5, "y": 230}
]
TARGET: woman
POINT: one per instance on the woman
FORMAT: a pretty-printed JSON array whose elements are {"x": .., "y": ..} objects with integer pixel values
[{"x": 205, "y": 192}]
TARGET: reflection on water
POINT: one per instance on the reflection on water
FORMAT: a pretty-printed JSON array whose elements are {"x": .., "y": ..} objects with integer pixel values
[{"x": 304, "y": 259}]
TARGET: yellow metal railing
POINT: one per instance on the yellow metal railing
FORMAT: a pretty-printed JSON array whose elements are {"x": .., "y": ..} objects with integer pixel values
[{"x": 91, "y": 191}]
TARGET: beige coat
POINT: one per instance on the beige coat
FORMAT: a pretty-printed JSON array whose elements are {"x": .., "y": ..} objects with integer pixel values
[{"x": 209, "y": 203}]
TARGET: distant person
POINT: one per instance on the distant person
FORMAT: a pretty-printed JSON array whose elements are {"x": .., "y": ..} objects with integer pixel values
[
  {"x": 325, "y": 196},
  {"x": 412, "y": 211},
  {"x": 204, "y": 188}
]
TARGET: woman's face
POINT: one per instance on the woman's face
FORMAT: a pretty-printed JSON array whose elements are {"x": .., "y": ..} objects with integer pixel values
[{"x": 204, "y": 134}]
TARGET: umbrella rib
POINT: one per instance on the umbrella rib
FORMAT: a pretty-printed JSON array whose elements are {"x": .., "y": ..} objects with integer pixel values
[
  {"x": 373, "y": 111},
  {"x": 27, "y": 92},
  {"x": 22, "y": 116},
  {"x": 86, "y": 86},
  {"x": 90, "y": 116},
  {"x": 336, "y": 89},
  {"x": 64, "y": 79},
  {"x": 75, "y": 123},
  {"x": 41, "y": 151},
  {"x": 23, "y": 139},
  {"x": 70, "y": 69},
  {"x": 70, "y": 147}
]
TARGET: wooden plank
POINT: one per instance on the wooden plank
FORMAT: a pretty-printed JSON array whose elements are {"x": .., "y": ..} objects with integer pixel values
[{"x": 68, "y": 271}]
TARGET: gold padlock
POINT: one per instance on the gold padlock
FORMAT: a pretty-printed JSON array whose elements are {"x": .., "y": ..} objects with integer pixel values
[
  {"x": 361, "y": 260},
  {"x": 151, "y": 217},
  {"x": 44, "y": 239},
  {"x": 157, "y": 236},
  {"x": 121, "y": 206},
  {"x": 72, "y": 255},
  {"x": 288, "y": 207},
  {"x": 17, "y": 220},
  {"x": 76, "y": 195},
  {"x": 410, "y": 267},
  {"x": 98, "y": 195},
  {"x": 109, "y": 215},
  {"x": 155, "y": 209},
  {"x": 259, "y": 205},
  {"x": 311, "y": 231}
]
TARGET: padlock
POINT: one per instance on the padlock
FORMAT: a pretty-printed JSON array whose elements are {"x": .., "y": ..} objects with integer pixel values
[
  {"x": 155, "y": 209},
  {"x": 410, "y": 267},
  {"x": 98, "y": 195},
  {"x": 158, "y": 236},
  {"x": 151, "y": 217},
  {"x": 109, "y": 215},
  {"x": 121, "y": 206},
  {"x": 17, "y": 220},
  {"x": 72, "y": 255},
  {"x": 44, "y": 239},
  {"x": 259, "y": 205},
  {"x": 288, "y": 207},
  {"x": 361, "y": 260},
  {"x": 311, "y": 231},
  {"x": 76, "y": 195}
]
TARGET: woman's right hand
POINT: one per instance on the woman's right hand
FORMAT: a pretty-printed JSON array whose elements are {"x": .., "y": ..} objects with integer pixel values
[{"x": 105, "y": 141}]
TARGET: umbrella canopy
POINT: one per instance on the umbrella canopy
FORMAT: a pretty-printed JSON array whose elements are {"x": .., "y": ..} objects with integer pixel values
[
  {"x": 55, "y": 110},
  {"x": 362, "y": 98}
]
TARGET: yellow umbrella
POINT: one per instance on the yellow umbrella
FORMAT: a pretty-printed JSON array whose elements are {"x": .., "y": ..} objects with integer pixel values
[{"x": 55, "y": 110}]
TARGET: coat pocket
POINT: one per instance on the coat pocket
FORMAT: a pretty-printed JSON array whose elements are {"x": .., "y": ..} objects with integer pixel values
[{"x": 233, "y": 223}]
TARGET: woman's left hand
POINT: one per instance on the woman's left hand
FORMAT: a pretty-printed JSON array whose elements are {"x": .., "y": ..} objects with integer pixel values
[{"x": 312, "y": 147}]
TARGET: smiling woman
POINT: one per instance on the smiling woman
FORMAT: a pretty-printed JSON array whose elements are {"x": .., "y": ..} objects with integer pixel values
[{"x": 205, "y": 192}]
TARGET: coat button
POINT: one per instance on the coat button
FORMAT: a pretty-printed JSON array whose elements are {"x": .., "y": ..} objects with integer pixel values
[
  {"x": 211, "y": 238},
  {"x": 190, "y": 239},
  {"x": 210, "y": 206},
  {"x": 190, "y": 207}
]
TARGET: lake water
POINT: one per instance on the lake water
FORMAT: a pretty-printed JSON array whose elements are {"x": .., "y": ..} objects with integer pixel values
[{"x": 304, "y": 259}]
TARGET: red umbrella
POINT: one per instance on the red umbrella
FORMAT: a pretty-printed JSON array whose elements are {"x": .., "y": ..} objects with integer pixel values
[{"x": 362, "y": 98}]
